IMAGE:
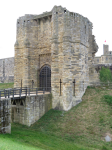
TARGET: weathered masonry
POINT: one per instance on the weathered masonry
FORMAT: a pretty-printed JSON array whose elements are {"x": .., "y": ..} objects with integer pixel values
[
  {"x": 7, "y": 70},
  {"x": 5, "y": 116},
  {"x": 55, "y": 49},
  {"x": 30, "y": 109},
  {"x": 24, "y": 109}
]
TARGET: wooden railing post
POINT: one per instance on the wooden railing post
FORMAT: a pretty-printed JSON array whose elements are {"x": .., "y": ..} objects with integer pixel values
[
  {"x": 8, "y": 93},
  {"x": 43, "y": 91},
  {"x": 20, "y": 93},
  {"x": 13, "y": 93},
  {"x": 29, "y": 92},
  {"x": 36, "y": 91},
  {"x": 26, "y": 91},
  {"x": 4, "y": 93}
]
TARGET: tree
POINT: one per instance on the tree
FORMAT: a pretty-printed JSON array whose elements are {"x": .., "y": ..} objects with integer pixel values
[{"x": 105, "y": 75}]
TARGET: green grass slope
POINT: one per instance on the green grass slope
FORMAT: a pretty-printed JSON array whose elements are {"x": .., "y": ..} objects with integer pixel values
[
  {"x": 81, "y": 128},
  {"x": 6, "y": 85}
]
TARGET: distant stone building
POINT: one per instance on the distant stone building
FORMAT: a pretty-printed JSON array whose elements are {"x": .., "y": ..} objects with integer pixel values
[
  {"x": 7, "y": 70},
  {"x": 106, "y": 58},
  {"x": 52, "y": 50}
]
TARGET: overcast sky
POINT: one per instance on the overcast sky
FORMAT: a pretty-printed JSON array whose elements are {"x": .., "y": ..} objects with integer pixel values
[{"x": 99, "y": 12}]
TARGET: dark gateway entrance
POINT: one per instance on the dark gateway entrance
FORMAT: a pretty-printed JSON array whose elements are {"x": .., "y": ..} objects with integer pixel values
[{"x": 45, "y": 78}]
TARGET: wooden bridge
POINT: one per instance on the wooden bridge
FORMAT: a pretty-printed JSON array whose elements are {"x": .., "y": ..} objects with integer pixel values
[{"x": 18, "y": 93}]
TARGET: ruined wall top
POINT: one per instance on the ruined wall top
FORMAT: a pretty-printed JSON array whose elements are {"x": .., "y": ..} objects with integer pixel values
[
  {"x": 55, "y": 10},
  {"x": 73, "y": 25}
]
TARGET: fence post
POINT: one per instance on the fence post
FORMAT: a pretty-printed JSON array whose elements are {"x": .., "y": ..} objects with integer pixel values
[
  {"x": 0, "y": 95},
  {"x": 20, "y": 93},
  {"x": 8, "y": 94},
  {"x": 43, "y": 91},
  {"x": 13, "y": 93},
  {"x": 36, "y": 91},
  {"x": 26, "y": 91},
  {"x": 29, "y": 92},
  {"x": 4, "y": 93}
]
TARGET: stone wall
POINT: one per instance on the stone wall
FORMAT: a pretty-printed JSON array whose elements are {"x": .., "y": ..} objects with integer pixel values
[
  {"x": 7, "y": 70},
  {"x": 73, "y": 48},
  {"x": 5, "y": 116},
  {"x": 32, "y": 48},
  {"x": 94, "y": 75},
  {"x": 94, "y": 72},
  {"x": 27, "y": 111}
]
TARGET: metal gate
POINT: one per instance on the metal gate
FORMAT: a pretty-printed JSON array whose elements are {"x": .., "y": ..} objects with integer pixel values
[{"x": 45, "y": 78}]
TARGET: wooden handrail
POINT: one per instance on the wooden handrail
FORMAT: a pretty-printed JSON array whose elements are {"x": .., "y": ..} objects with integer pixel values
[{"x": 6, "y": 93}]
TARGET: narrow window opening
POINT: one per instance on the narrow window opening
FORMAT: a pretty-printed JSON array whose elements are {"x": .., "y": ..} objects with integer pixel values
[
  {"x": 85, "y": 29},
  {"x": 24, "y": 20},
  {"x": 39, "y": 21},
  {"x": 64, "y": 11},
  {"x": 18, "y": 22},
  {"x": 56, "y": 12}
]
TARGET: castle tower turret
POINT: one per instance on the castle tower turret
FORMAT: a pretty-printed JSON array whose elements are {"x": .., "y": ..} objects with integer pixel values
[
  {"x": 105, "y": 49},
  {"x": 59, "y": 39}
]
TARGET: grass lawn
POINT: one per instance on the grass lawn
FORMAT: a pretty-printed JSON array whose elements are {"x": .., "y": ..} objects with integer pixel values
[
  {"x": 6, "y": 85},
  {"x": 81, "y": 128},
  {"x": 35, "y": 138}
]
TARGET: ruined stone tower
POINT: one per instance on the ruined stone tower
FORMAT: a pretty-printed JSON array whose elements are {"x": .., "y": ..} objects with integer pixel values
[{"x": 62, "y": 41}]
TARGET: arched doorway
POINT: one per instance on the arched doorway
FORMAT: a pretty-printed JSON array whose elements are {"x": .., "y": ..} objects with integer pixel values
[{"x": 45, "y": 77}]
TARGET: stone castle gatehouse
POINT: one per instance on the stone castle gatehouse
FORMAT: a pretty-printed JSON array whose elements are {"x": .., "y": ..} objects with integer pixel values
[{"x": 52, "y": 47}]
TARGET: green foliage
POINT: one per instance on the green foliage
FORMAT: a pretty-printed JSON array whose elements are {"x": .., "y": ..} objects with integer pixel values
[
  {"x": 108, "y": 99},
  {"x": 105, "y": 75},
  {"x": 90, "y": 87},
  {"x": 104, "y": 148},
  {"x": 101, "y": 119}
]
